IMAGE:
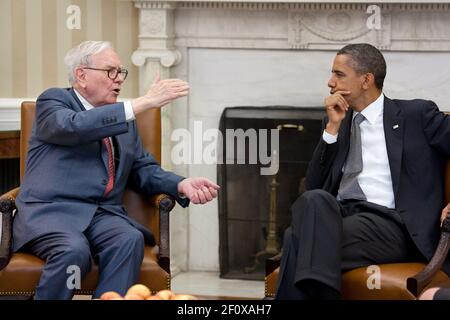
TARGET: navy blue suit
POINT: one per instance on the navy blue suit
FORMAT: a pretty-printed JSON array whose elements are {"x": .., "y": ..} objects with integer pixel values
[
  {"x": 327, "y": 236},
  {"x": 62, "y": 214}
]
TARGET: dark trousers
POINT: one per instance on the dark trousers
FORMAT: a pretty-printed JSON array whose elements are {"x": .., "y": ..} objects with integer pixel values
[
  {"x": 327, "y": 237},
  {"x": 110, "y": 240}
]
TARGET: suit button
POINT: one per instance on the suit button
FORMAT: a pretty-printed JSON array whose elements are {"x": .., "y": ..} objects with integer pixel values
[{"x": 104, "y": 182}]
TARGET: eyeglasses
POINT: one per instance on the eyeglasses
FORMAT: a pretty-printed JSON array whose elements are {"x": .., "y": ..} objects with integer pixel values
[{"x": 113, "y": 72}]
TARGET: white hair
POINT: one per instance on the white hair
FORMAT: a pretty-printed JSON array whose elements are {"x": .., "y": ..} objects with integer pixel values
[{"x": 81, "y": 55}]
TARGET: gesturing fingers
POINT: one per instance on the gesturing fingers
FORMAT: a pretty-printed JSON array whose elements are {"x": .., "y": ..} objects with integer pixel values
[
  {"x": 201, "y": 196},
  {"x": 207, "y": 194},
  {"x": 194, "y": 197},
  {"x": 213, "y": 192}
]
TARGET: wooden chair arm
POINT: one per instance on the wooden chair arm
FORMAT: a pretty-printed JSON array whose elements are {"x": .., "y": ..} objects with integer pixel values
[
  {"x": 164, "y": 204},
  {"x": 10, "y": 195},
  {"x": 418, "y": 282},
  {"x": 273, "y": 263},
  {"x": 7, "y": 206}
]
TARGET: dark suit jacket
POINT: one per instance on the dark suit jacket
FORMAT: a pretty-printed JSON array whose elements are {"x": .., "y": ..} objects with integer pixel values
[
  {"x": 417, "y": 150},
  {"x": 66, "y": 168}
]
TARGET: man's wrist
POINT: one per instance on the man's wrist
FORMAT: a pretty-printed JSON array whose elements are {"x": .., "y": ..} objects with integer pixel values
[
  {"x": 332, "y": 128},
  {"x": 180, "y": 193}
]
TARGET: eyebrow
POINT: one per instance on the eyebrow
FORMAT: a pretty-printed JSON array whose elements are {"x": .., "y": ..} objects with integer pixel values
[
  {"x": 337, "y": 71},
  {"x": 108, "y": 66}
]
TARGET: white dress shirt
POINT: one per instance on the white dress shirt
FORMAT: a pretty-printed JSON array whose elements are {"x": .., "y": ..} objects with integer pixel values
[
  {"x": 129, "y": 113},
  {"x": 375, "y": 179}
]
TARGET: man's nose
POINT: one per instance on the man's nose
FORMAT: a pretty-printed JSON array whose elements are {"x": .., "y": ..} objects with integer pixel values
[
  {"x": 331, "y": 83},
  {"x": 119, "y": 79}
]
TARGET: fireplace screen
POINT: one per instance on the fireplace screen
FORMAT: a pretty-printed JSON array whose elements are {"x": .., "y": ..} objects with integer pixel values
[{"x": 254, "y": 201}]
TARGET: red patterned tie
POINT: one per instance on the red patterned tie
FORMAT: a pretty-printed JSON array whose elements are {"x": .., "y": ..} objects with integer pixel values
[{"x": 110, "y": 183}]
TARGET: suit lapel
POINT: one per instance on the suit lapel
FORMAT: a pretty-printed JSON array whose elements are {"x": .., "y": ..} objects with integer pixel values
[
  {"x": 393, "y": 131},
  {"x": 79, "y": 104},
  {"x": 103, "y": 151},
  {"x": 343, "y": 146}
]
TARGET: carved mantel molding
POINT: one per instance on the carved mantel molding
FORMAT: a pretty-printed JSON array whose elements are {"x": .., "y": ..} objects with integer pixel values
[{"x": 305, "y": 25}]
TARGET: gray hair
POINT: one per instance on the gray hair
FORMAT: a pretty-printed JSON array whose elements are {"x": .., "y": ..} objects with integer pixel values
[
  {"x": 365, "y": 58},
  {"x": 81, "y": 55}
]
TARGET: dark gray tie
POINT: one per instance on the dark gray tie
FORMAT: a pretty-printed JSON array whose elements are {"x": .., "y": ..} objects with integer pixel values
[{"x": 349, "y": 187}]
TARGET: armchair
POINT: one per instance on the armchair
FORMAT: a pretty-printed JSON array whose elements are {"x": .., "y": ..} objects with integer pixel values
[
  {"x": 399, "y": 281},
  {"x": 20, "y": 272}
]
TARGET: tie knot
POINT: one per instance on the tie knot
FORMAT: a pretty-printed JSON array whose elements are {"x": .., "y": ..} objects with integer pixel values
[{"x": 358, "y": 119}]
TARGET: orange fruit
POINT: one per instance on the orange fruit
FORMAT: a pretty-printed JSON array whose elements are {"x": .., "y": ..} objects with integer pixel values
[
  {"x": 140, "y": 290},
  {"x": 165, "y": 294},
  {"x": 133, "y": 296},
  {"x": 110, "y": 295},
  {"x": 183, "y": 297}
]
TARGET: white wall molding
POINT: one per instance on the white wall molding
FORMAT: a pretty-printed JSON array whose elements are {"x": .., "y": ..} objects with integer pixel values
[{"x": 10, "y": 113}]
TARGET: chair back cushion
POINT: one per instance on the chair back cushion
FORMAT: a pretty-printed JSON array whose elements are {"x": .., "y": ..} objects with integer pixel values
[{"x": 27, "y": 116}]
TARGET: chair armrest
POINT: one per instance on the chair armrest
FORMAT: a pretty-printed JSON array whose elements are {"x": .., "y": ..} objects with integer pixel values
[
  {"x": 273, "y": 263},
  {"x": 418, "y": 282},
  {"x": 164, "y": 203},
  {"x": 7, "y": 206},
  {"x": 10, "y": 195}
]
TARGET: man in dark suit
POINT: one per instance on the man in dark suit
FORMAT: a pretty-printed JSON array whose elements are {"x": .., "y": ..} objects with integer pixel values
[
  {"x": 83, "y": 150},
  {"x": 375, "y": 182}
]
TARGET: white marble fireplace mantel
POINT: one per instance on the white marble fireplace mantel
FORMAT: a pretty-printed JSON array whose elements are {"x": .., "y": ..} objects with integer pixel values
[{"x": 260, "y": 53}]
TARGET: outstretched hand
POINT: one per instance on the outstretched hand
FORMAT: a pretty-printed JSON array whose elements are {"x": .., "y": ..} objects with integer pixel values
[
  {"x": 160, "y": 93},
  {"x": 445, "y": 212},
  {"x": 164, "y": 91},
  {"x": 198, "y": 190}
]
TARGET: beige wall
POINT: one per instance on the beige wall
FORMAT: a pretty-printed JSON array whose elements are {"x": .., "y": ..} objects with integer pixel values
[{"x": 34, "y": 39}]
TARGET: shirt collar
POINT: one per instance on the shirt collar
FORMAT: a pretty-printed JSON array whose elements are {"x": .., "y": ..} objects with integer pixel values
[
  {"x": 84, "y": 102},
  {"x": 373, "y": 110}
]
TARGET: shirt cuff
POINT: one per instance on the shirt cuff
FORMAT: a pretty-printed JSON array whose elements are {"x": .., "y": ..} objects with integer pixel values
[
  {"x": 329, "y": 138},
  {"x": 129, "y": 113}
]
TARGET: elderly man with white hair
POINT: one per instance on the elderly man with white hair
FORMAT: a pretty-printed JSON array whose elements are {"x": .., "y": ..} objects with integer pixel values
[{"x": 70, "y": 202}]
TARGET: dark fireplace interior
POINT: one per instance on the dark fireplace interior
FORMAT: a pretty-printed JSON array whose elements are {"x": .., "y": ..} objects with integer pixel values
[
  {"x": 250, "y": 231},
  {"x": 9, "y": 174},
  {"x": 9, "y": 160}
]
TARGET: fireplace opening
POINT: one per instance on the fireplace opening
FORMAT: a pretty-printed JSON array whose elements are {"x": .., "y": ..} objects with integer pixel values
[{"x": 254, "y": 207}]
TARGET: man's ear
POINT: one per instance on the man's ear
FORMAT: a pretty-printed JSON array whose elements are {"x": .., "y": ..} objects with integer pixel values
[
  {"x": 368, "y": 81},
  {"x": 80, "y": 76}
]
